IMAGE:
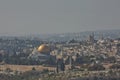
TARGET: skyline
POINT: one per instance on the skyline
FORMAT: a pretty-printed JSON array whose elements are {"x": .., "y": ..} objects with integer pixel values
[{"x": 21, "y": 17}]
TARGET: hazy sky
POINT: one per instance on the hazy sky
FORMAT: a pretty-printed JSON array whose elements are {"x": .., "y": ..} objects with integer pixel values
[{"x": 57, "y": 16}]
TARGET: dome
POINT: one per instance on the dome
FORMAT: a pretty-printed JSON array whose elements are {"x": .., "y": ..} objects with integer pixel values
[{"x": 43, "y": 48}]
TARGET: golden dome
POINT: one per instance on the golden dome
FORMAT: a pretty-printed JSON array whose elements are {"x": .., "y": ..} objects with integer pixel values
[{"x": 43, "y": 48}]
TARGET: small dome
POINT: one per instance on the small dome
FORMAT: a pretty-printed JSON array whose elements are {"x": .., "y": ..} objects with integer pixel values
[{"x": 43, "y": 48}]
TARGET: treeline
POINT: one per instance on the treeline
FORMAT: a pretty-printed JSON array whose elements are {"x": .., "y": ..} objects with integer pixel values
[
  {"x": 29, "y": 75},
  {"x": 98, "y": 78},
  {"x": 22, "y": 59}
]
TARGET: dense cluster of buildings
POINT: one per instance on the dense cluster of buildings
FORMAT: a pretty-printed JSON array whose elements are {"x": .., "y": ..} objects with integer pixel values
[
  {"x": 72, "y": 57},
  {"x": 71, "y": 52},
  {"x": 98, "y": 51},
  {"x": 16, "y": 45}
]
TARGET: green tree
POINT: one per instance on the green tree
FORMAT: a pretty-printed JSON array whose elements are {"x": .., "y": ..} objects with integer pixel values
[
  {"x": 96, "y": 67},
  {"x": 33, "y": 69}
]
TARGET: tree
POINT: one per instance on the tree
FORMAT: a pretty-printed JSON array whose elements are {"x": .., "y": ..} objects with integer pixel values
[
  {"x": 96, "y": 67},
  {"x": 115, "y": 66},
  {"x": 8, "y": 70},
  {"x": 33, "y": 69}
]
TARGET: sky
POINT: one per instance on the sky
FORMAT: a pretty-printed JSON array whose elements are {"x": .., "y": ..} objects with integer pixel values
[{"x": 21, "y": 17}]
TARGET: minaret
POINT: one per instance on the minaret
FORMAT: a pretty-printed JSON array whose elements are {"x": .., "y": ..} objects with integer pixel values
[
  {"x": 93, "y": 34},
  {"x": 70, "y": 61},
  {"x": 92, "y": 38},
  {"x": 60, "y": 65},
  {"x": 101, "y": 37},
  {"x": 60, "y": 62}
]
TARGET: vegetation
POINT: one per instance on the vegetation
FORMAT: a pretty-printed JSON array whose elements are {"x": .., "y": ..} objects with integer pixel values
[
  {"x": 29, "y": 75},
  {"x": 96, "y": 67},
  {"x": 115, "y": 66}
]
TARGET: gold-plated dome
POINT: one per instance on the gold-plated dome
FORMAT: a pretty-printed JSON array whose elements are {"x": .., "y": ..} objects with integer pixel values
[{"x": 43, "y": 48}]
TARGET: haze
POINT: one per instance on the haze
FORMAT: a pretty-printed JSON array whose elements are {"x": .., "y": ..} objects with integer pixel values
[{"x": 21, "y": 17}]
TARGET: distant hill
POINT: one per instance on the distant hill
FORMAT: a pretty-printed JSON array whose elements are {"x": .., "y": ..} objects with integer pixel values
[{"x": 80, "y": 35}]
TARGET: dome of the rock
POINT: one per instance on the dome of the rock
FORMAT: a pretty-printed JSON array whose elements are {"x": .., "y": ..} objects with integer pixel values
[{"x": 43, "y": 48}]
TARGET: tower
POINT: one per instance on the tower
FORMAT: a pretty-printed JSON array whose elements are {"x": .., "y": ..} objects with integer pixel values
[
  {"x": 91, "y": 38},
  {"x": 60, "y": 65},
  {"x": 101, "y": 37},
  {"x": 70, "y": 61}
]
